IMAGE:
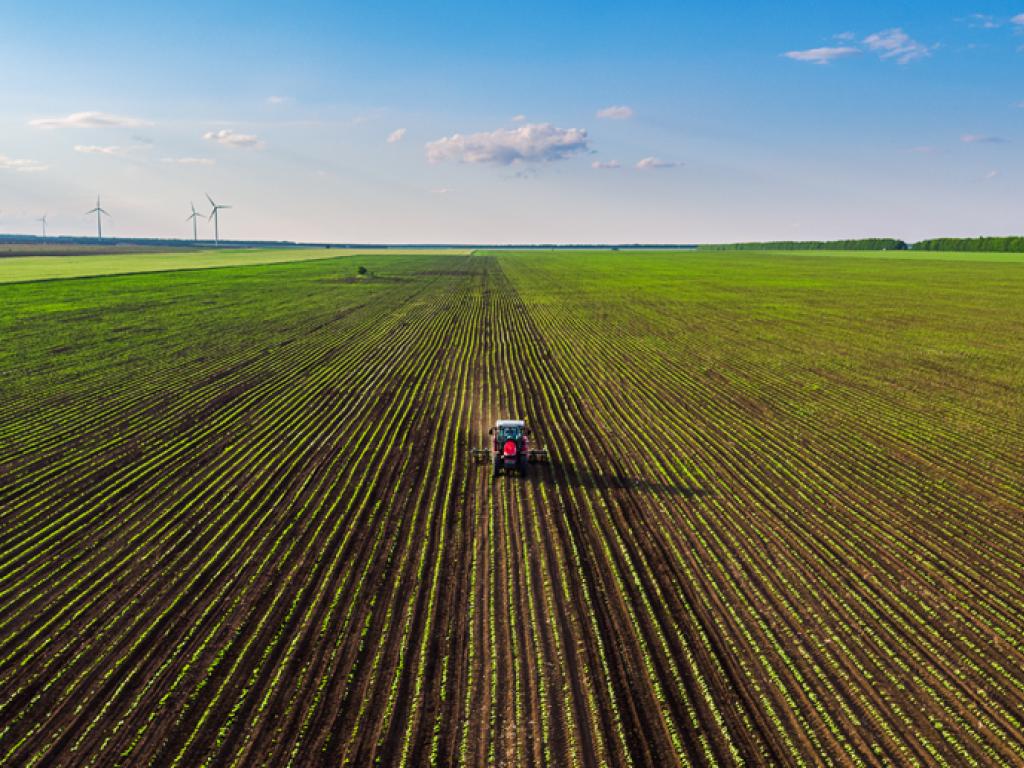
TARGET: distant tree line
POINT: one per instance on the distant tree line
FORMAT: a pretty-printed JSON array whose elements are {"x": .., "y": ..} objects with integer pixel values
[
  {"x": 1002, "y": 244},
  {"x": 979, "y": 244},
  {"x": 868, "y": 244}
]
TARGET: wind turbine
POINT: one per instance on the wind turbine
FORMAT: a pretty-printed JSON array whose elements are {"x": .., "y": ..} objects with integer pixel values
[
  {"x": 195, "y": 215},
  {"x": 98, "y": 210},
  {"x": 43, "y": 219},
  {"x": 214, "y": 214}
]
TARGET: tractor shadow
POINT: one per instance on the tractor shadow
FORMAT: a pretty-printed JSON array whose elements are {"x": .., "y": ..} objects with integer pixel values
[
  {"x": 555, "y": 473},
  {"x": 643, "y": 485}
]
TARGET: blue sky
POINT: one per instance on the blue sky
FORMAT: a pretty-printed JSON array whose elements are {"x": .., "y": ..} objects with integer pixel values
[{"x": 568, "y": 122}]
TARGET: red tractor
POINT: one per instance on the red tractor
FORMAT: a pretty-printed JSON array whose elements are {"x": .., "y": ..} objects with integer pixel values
[{"x": 510, "y": 448}]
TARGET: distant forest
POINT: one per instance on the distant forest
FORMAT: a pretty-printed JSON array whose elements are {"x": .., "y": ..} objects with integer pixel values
[
  {"x": 1004, "y": 244},
  {"x": 977, "y": 244},
  {"x": 871, "y": 244}
]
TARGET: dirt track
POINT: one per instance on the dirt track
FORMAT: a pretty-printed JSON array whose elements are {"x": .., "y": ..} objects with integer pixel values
[{"x": 281, "y": 554}]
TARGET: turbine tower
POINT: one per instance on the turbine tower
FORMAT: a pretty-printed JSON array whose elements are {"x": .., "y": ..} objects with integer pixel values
[
  {"x": 43, "y": 220},
  {"x": 98, "y": 210},
  {"x": 195, "y": 215},
  {"x": 214, "y": 214}
]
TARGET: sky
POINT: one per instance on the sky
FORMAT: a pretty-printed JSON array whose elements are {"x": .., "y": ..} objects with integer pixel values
[{"x": 646, "y": 122}]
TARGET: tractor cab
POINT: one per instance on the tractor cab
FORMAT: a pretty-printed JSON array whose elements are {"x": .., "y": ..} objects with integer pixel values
[{"x": 507, "y": 429}]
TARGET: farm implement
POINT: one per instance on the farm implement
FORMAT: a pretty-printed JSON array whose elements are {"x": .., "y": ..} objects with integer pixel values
[{"x": 510, "y": 448}]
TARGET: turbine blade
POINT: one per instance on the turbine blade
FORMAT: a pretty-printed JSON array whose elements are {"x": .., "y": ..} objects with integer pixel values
[{"x": 211, "y": 200}]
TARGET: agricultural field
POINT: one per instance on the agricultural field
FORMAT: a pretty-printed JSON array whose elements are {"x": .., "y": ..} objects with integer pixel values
[
  {"x": 26, "y": 267},
  {"x": 783, "y": 520},
  {"x": 60, "y": 248}
]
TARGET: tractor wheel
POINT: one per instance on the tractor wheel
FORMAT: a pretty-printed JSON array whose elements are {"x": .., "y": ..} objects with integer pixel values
[
  {"x": 522, "y": 465},
  {"x": 497, "y": 465}
]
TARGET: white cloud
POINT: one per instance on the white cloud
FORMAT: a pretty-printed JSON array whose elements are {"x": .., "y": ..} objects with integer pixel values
[
  {"x": 396, "y": 136},
  {"x": 89, "y": 120},
  {"x": 91, "y": 149},
  {"x": 977, "y": 138},
  {"x": 276, "y": 100},
  {"x": 230, "y": 138},
  {"x": 188, "y": 160},
  {"x": 991, "y": 174},
  {"x": 822, "y": 55},
  {"x": 897, "y": 44},
  {"x": 519, "y": 119},
  {"x": 1018, "y": 19},
  {"x": 609, "y": 165},
  {"x": 530, "y": 143},
  {"x": 654, "y": 163},
  {"x": 888, "y": 44},
  {"x": 615, "y": 113},
  {"x": 441, "y": 190},
  {"x": 21, "y": 166},
  {"x": 981, "y": 21}
]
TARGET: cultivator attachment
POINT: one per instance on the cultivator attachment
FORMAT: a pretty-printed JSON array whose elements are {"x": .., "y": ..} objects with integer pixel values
[
  {"x": 537, "y": 455},
  {"x": 480, "y": 455}
]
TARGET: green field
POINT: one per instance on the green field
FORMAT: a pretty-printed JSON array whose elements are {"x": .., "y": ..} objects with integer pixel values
[
  {"x": 781, "y": 523},
  {"x": 15, "y": 269}
]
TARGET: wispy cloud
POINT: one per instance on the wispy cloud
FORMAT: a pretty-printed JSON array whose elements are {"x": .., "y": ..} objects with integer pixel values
[
  {"x": 20, "y": 165},
  {"x": 991, "y": 175},
  {"x": 230, "y": 138},
  {"x": 822, "y": 55},
  {"x": 981, "y": 21},
  {"x": 519, "y": 119},
  {"x": 396, "y": 135},
  {"x": 278, "y": 100},
  {"x": 364, "y": 118},
  {"x": 530, "y": 143},
  {"x": 888, "y": 44},
  {"x": 897, "y": 44},
  {"x": 978, "y": 138},
  {"x": 654, "y": 163},
  {"x": 89, "y": 120},
  {"x": 606, "y": 166},
  {"x": 188, "y": 160},
  {"x": 92, "y": 149},
  {"x": 923, "y": 150},
  {"x": 621, "y": 112},
  {"x": 441, "y": 190},
  {"x": 1018, "y": 20}
]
